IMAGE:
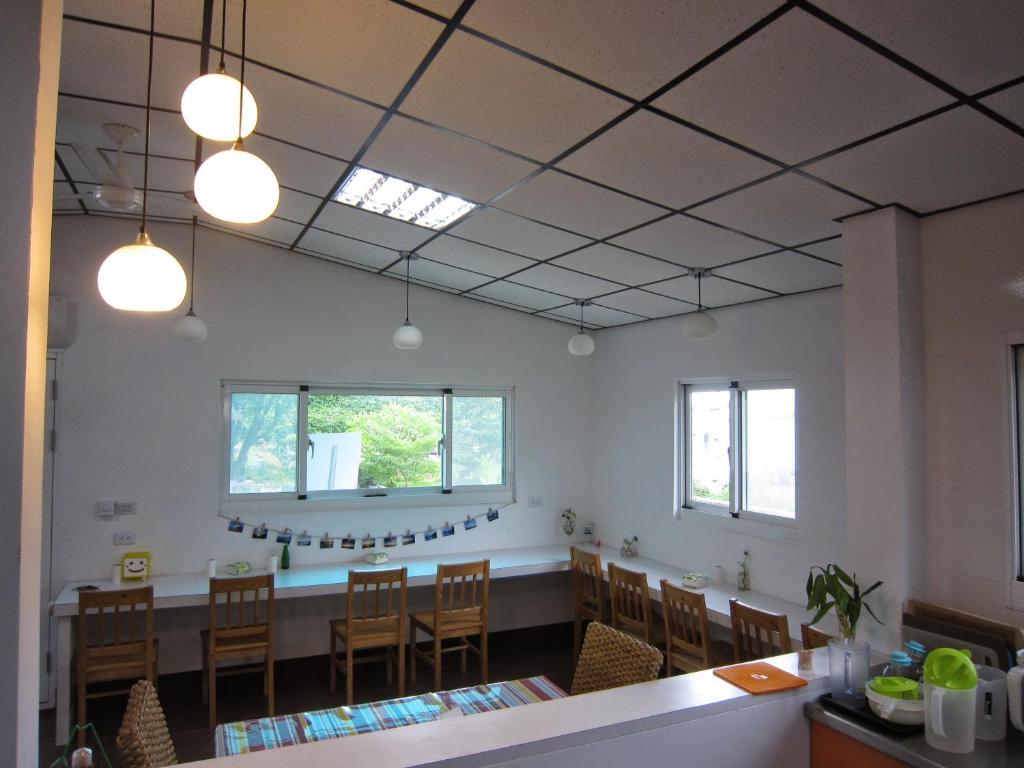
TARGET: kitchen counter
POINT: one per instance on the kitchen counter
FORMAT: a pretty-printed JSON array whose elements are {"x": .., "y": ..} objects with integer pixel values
[{"x": 914, "y": 751}]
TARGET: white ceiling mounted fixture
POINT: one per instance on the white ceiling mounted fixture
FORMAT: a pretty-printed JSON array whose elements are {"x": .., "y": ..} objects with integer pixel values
[
  {"x": 408, "y": 336},
  {"x": 235, "y": 185},
  {"x": 191, "y": 327},
  {"x": 582, "y": 344},
  {"x": 210, "y": 104},
  {"x": 699, "y": 324},
  {"x": 400, "y": 199},
  {"x": 140, "y": 277}
]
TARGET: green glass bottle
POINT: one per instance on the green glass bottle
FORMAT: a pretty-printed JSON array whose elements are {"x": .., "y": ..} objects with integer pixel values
[{"x": 286, "y": 560}]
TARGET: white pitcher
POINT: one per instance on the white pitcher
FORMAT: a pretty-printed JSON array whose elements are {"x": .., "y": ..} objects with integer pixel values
[
  {"x": 990, "y": 716},
  {"x": 950, "y": 695},
  {"x": 1015, "y": 692}
]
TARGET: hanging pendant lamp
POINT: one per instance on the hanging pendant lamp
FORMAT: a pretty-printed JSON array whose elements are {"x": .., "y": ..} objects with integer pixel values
[
  {"x": 191, "y": 327},
  {"x": 408, "y": 336},
  {"x": 141, "y": 277},
  {"x": 211, "y": 102},
  {"x": 235, "y": 185},
  {"x": 582, "y": 344},
  {"x": 699, "y": 324}
]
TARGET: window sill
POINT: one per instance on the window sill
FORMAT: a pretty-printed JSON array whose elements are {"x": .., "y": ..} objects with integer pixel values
[
  {"x": 364, "y": 503},
  {"x": 784, "y": 529}
]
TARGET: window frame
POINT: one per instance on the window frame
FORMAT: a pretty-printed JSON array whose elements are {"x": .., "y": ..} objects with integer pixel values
[
  {"x": 1015, "y": 406},
  {"x": 363, "y": 498},
  {"x": 738, "y": 478}
]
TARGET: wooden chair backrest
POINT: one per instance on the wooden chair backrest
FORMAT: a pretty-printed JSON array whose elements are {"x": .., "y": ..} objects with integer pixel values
[
  {"x": 114, "y": 619},
  {"x": 631, "y": 601},
  {"x": 813, "y": 638},
  {"x": 754, "y": 630},
  {"x": 610, "y": 659},
  {"x": 371, "y": 597},
  {"x": 587, "y": 579},
  {"x": 462, "y": 588},
  {"x": 686, "y": 622},
  {"x": 242, "y": 606}
]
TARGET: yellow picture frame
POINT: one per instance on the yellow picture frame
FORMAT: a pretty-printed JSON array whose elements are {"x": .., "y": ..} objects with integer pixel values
[{"x": 136, "y": 566}]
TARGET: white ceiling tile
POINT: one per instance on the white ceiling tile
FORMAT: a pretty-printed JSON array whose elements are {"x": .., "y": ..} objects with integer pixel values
[
  {"x": 604, "y": 317},
  {"x": 785, "y": 272},
  {"x": 472, "y": 256},
  {"x": 715, "y": 292},
  {"x": 828, "y": 249},
  {"x": 954, "y": 158},
  {"x": 444, "y": 161},
  {"x": 619, "y": 265},
  {"x": 337, "y": 260},
  {"x": 497, "y": 303},
  {"x": 273, "y": 229},
  {"x": 296, "y": 206},
  {"x": 1008, "y": 103},
  {"x": 520, "y": 295},
  {"x": 799, "y": 88},
  {"x": 491, "y": 94},
  {"x": 634, "y": 47},
  {"x": 580, "y": 206},
  {"x": 75, "y": 167},
  {"x": 566, "y": 320},
  {"x": 312, "y": 117},
  {"x": 296, "y": 168},
  {"x": 369, "y": 48},
  {"x": 646, "y": 304},
  {"x": 371, "y": 227},
  {"x": 346, "y": 248},
  {"x": 663, "y": 161},
  {"x": 183, "y": 18},
  {"x": 788, "y": 209},
  {"x": 452, "y": 278},
  {"x": 563, "y": 281},
  {"x": 969, "y": 45},
  {"x": 168, "y": 175},
  {"x": 512, "y": 233},
  {"x": 685, "y": 240},
  {"x": 62, "y": 197}
]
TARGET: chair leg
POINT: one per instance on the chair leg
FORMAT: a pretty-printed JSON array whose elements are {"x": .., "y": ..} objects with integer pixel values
[
  {"x": 348, "y": 673},
  {"x": 334, "y": 661},
  {"x": 412, "y": 652},
  {"x": 401, "y": 669},
  {"x": 270, "y": 684},
  {"x": 390, "y": 672},
  {"x": 464, "y": 653},
  {"x": 211, "y": 686},
  {"x": 577, "y": 636},
  {"x": 483, "y": 656},
  {"x": 437, "y": 661},
  {"x": 203, "y": 676},
  {"x": 81, "y": 708}
]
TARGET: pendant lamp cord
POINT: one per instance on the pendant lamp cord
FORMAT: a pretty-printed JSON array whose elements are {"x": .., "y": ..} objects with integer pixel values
[
  {"x": 241, "y": 79},
  {"x": 192, "y": 277},
  {"x": 149, "y": 92},
  {"x": 700, "y": 304},
  {"x": 581, "y": 316},
  {"x": 223, "y": 27},
  {"x": 408, "y": 263}
]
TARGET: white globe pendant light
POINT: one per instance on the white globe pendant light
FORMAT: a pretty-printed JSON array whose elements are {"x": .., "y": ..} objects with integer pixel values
[
  {"x": 191, "y": 327},
  {"x": 140, "y": 277},
  {"x": 210, "y": 104},
  {"x": 581, "y": 344},
  {"x": 407, "y": 335},
  {"x": 235, "y": 185},
  {"x": 699, "y": 324}
]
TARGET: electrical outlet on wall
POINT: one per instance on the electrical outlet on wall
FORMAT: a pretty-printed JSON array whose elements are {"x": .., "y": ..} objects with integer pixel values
[
  {"x": 125, "y": 507},
  {"x": 535, "y": 502},
  {"x": 124, "y": 539},
  {"x": 105, "y": 508}
]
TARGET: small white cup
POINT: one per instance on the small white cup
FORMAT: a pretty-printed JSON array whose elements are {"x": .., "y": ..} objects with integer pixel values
[
  {"x": 116, "y": 577},
  {"x": 211, "y": 567},
  {"x": 272, "y": 566}
]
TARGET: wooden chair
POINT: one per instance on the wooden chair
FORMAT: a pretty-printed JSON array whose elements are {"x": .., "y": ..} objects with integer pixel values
[
  {"x": 460, "y": 611},
  {"x": 813, "y": 638},
  {"x": 631, "y": 603},
  {"x": 611, "y": 659},
  {"x": 144, "y": 741},
  {"x": 687, "y": 632},
  {"x": 241, "y": 628},
  {"x": 374, "y": 618},
  {"x": 753, "y": 632},
  {"x": 588, "y": 591},
  {"x": 116, "y": 641}
]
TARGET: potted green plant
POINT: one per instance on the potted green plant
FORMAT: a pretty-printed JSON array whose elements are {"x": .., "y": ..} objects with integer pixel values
[{"x": 831, "y": 587}]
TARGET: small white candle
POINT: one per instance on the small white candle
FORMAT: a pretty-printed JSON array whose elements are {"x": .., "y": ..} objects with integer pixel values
[
  {"x": 211, "y": 567},
  {"x": 116, "y": 577},
  {"x": 272, "y": 567}
]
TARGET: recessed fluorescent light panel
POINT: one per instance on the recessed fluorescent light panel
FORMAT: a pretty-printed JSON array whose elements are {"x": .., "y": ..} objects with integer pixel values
[{"x": 401, "y": 199}]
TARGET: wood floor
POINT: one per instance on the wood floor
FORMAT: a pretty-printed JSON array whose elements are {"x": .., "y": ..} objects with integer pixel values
[{"x": 304, "y": 684}]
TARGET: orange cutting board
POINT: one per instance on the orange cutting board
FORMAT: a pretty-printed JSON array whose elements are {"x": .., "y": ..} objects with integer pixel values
[{"x": 759, "y": 677}]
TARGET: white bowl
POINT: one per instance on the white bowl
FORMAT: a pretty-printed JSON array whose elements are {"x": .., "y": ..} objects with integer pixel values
[{"x": 900, "y": 711}]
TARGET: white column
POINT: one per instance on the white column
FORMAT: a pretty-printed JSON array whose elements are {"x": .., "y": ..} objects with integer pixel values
[
  {"x": 883, "y": 370},
  {"x": 29, "y": 64}
]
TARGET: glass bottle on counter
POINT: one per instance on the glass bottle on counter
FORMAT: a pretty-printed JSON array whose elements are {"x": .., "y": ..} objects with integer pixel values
[
  {"x": 900, "y": 665},
  {"x": 917, "y": 653}
]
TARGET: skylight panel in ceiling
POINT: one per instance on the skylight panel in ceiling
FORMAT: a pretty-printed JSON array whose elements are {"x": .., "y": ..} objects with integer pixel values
[{"x": 400, "y": 199}]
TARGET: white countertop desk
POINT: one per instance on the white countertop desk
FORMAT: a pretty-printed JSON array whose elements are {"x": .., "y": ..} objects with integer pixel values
[{"x": 192, "y": 589}]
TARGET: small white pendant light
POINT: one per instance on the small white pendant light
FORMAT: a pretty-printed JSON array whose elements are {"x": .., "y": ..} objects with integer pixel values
[
  {"x": 582, "y": 344},
  {"x": 140, "y": 277},
  {"x": 407, "y": 335},
  {"x": 191, "y": 327},
  {"x": 699, "y": 324},
  {"x": 235, "y": 185},
  {"x": 211, "y": 102}
]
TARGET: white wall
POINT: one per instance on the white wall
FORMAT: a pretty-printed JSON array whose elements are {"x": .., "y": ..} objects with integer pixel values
[
  {"x": 140, "y": 408},
  {"x": 973, "y": 279},
  {"x": 635, "y": 383}
]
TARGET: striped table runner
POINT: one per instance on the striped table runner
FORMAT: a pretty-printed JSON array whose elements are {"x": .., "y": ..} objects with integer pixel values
[{"x": 284, "y": 730}]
